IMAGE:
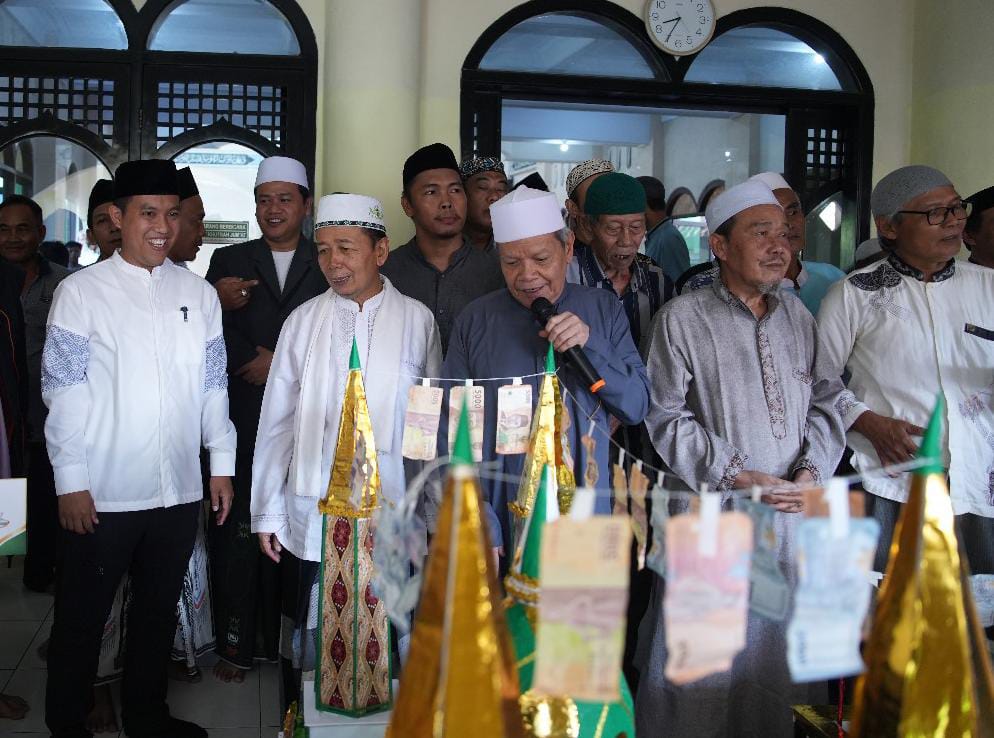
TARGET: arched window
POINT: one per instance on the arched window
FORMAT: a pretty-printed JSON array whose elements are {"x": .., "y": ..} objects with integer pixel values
[
  {"x": 128, "y": 84},
  {"x": 554, "y": 82}
]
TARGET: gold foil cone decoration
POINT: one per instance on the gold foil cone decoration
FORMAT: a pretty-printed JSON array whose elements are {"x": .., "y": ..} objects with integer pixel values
[
  {"x": 549, "y": 717},
  {"x": 547, "y": 445},
  {"x": 460, "y": 679},
  {"x": 354, "y": 487},
  {"x": 928, "y": 674}
]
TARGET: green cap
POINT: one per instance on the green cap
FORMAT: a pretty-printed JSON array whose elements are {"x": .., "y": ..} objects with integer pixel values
[
  {"x": 354, "y": 358},
  {"x": 462, "y": 450},
  {"x": 550, "y": 360},
  {"x": 931, "y": 447},
  {"x": 532, "y": 554},
  {"x": 615, "y": 193}
]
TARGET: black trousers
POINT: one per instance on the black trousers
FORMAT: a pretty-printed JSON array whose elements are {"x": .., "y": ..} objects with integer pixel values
[
  {"x": 245, "y": 585},
  {"x": 43, "y": 520},
  {"x": 155, "y": 547}
]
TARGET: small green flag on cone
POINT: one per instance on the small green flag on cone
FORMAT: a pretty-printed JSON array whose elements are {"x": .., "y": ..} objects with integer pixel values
[
  {"x": 354, "y": 358},
  {"x": 550, "y": 360},
  {"x": 462, "y": 449}
]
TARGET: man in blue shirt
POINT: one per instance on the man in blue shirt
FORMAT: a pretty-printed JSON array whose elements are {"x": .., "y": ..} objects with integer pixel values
[{"x": 664, "y": 244}]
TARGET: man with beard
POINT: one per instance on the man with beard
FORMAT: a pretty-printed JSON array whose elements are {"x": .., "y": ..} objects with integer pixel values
[
  {"x": 439, "y": 266},
  {"x": 741, "y": 396},
  {"x": 485, "y": 183},
  {"x": 100, "y": 229},
  {"x": 259, "y": 284},
  {"x": 809, "y": 280}
]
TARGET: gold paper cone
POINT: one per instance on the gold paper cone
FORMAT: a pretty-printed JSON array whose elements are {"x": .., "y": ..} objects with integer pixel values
[
  {"x": 922, "y": 678},
  {"x": 547, "y": 445},
  {"x": 460, "y": 680},
  {"x": 354, "y": 487}
]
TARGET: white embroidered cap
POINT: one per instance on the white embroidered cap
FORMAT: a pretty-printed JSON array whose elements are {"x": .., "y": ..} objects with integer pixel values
[
  {"x": 735, "y": 199},
  {"x": 281, "y": 169},
  {"x": 343, "y": 209},
  {"x": 773, "y": 180},
  {"x": 523, "y": 213},
  {"x": 584, "y": 171}
]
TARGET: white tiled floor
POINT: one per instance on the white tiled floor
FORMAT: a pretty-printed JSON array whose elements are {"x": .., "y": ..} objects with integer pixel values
[{"x": 246, "y": 710}]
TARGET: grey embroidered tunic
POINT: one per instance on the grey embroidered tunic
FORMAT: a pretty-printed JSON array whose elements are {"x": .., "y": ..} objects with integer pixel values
[{"x": 730, "y": 392}]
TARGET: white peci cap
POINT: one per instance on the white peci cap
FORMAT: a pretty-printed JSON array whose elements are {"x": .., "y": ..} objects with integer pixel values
[
  {"x": 343, "y": 209},
  {"x": 281, "y": 169},
  {"x": 523, "y": 213},
  {"x": 735, "y": 199},
  {"x": 773, "y": 180}
]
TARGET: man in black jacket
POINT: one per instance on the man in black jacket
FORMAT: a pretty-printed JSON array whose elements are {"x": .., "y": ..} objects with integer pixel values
[{"x": 259, "y": 283}]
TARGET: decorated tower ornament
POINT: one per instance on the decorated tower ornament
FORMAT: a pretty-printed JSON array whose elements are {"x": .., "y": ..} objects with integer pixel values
[
  {"x": 547, "y": 445},
  {"x": 927, "y": 673},
  {"x": 460, "y": 678}
]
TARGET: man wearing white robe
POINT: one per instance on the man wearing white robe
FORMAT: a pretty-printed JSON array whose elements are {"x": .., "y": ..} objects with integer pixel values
[{"x": 398, "y": 341}]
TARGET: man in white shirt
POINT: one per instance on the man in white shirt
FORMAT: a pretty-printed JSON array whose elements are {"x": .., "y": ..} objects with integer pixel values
[
  {"x": 131, "y": 401},
  {"x": 397, "y": 340},
  {"x": 908, "y": 328}
]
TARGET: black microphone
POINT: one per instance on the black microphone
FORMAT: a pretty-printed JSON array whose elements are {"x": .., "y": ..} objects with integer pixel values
[{"x": 544, "y": 310}]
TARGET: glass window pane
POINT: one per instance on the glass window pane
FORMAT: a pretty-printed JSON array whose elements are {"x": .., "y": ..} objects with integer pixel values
[
  {"x": 830, "y": 232},
  {"x": 224, "y": 26},
  {"x": 225, "y": 175},
  {"x": 89, "y": 24},
  {"x": 753, "y": 55},
  {"x": 59, "y": 175},
  {"x": 560, "y": 43}
]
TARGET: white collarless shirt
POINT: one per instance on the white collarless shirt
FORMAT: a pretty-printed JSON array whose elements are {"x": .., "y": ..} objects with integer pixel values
[
  {"x": 134, "y": 375},
  {"x": 903, "y": 342}
]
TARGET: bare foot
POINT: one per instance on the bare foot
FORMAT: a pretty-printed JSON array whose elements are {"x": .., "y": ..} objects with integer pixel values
[
  {"x": 103, "y": 716},
  {"x": 229, "y": 673},
  {"x": 13, "y": 708},
  {"x": 179, "y": 671}
]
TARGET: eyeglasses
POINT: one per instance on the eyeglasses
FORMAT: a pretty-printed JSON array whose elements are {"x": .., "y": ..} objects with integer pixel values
[{"x": 937, "y": 216}]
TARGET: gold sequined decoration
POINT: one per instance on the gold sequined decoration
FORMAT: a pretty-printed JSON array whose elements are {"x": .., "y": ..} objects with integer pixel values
[
  {"x": 547, "y": 445},
  {"x": 549, "y": 717},
  {"x": 922, "y": 678},
  {"x": 460, "y": 679},
  {"x": 354, "y": 487}
]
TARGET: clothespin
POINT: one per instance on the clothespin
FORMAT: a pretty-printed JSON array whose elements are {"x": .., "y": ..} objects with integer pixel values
[
  {"x": 583, "y": 504},
  {"x": 638, "y": 464},
  {"x": 710, "y": 515},
  {"x": 516, "y": 380},
  {"x": 469, "y": 382},
  {"x": 590, "y": 430},
  {"x": 621, "y": 458},
  {"x": 757, "y": 494},
  {"x": 837, "y": 495},
  {"x": 426, "y": 381}
]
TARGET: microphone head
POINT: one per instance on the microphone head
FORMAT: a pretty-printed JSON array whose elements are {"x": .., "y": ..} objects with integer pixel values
[{"x": 543, "y": 309}]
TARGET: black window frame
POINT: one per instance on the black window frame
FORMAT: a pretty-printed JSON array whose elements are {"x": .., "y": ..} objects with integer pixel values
[{"x": 483, "y": 91}]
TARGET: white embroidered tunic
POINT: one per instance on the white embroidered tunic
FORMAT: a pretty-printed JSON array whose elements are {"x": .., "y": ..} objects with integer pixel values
[
  {"x": 397, "y": 341},
  {"x": 903, "y": 342},
  {"x": 133, "y": 373}
]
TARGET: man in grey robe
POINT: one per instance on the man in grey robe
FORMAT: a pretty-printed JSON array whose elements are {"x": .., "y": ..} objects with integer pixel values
[{"x": 740, "y": 397}]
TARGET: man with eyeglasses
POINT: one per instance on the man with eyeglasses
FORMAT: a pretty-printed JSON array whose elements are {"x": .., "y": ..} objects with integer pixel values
[{"x": 916, "y": 325}]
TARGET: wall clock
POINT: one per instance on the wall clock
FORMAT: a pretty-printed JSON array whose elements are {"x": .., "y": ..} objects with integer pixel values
[{"x": 680, "y": 27}]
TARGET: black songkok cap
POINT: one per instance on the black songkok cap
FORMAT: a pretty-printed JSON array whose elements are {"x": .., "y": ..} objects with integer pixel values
[
  {"x": 187, "y": 184},
  {"x": 433, "y": 156},
  {"x": 534, "y": 181},
  {"x": 146, "y": 177},
  {"x": 982, "y": 200},
  {"x": 101, "y": 194}
]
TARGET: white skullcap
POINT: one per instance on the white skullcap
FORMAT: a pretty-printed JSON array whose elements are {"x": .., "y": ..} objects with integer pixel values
[
  {"x": 281, "y": 169},
  {"x": 735, "y": 199},
  {"x": 343, "y": 209},
  {"x": 869, "y": 247},
  {"x": 773, "y": 180},
  {"x": 523, "y": 213},
  {"x": 902, "y": 185}
]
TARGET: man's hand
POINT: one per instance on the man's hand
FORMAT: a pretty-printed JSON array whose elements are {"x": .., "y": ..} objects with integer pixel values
[
  {"x": 234, "y": 292},
  {"x": 221, "y": 495},
  {"x": 270, "y": 546},
  {"x": 257, "y": 371},
  {"x": 77, "y": 513},
  {"x": 892, "y": 438},
  {"x": 780, "y": 494},
  {"x": 565, "y": 331}
]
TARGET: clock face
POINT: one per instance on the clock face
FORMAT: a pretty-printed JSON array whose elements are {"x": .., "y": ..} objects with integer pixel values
[{"x": 680, "y": 27}]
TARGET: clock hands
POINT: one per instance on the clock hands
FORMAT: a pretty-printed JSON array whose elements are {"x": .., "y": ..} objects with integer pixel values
[{"x": 675, "y": 22}]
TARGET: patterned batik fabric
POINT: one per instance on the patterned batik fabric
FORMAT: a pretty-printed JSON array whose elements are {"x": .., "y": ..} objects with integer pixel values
[{"x": 354, "y": 634}]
